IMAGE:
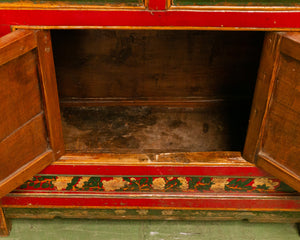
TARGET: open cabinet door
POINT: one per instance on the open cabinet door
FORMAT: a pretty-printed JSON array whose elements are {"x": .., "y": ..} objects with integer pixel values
[
  {"x": 30, "y": 125},
  {"x": 273, "y": 139}
]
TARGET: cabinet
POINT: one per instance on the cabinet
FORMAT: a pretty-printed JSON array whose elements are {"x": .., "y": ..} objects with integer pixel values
[{"x": 146, "y": 123}]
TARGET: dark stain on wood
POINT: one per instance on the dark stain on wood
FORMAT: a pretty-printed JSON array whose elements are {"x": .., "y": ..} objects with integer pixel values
[{"x": 145, "y": 129}]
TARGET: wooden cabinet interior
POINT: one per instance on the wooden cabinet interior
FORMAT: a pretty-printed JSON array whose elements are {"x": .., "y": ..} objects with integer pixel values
[
  {"x": 155, "y": 91},
  {"x": 150, "y": 99}
]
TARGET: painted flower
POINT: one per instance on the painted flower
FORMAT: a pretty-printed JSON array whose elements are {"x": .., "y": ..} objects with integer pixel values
[
  {"x": 184, "y": 183},
  {"x": 167, "y": 212},
  {"x": 114, "y": 184},
  {"x": 62, "y": 182},
  {"x": 218, "y": 184},
  {"x": 142, "y": 212},
  {"x": 81, "y": 182},
  {"x": 265, "y": 181},
  {"x": 159, "y": 184},
  {"x": 120, "y": 212}
]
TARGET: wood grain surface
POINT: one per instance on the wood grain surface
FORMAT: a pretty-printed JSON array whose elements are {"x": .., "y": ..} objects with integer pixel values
[{"x": 276, "y": 128}]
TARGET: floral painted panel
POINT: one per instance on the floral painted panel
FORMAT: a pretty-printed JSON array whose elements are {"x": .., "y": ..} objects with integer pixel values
[{"x": 155, "y": 184}]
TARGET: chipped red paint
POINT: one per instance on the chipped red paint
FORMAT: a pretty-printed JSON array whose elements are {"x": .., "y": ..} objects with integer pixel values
[
  {"x": 241, "y": 202},
  {"x": 110, "y": 170},
  {"x": 147, "y": 18},
  {"x": 156, "y": 16}
]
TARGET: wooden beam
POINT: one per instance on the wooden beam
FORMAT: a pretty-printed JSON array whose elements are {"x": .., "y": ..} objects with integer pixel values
[{"x": 5, "y": 225}]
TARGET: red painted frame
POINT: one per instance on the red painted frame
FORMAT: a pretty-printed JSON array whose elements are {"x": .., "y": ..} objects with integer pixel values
[
  {"x": 156, "y": 16},
  {"x": 208, "y": 202},
  {"x": 209, "y": 19},
  {"x": 109, "y": 170}
]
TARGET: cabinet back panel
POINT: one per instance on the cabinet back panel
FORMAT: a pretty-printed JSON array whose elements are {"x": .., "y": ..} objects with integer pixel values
[{"x": 145, "y": 64}]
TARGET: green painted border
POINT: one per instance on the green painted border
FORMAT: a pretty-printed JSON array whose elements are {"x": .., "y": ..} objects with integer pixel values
[
  {"x": 236, "y": 3},
  {"x": 155, "y": 214},
  {"x": 78, "y": 2},
  {"x": 155, "y": 184}
]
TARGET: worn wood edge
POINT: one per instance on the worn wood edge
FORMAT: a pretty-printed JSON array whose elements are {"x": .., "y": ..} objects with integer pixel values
[
  {"x": 279, "y": 171},
  {"x": 155, "y": 214},
  {"x": 39, "y": 27},
  {"x": 235, "y": 8},
  {"x": 290, "y": 41},
  {"x": 169, "y": 6},
  {"x": 155, "y": 195},
  {"x": 12, "y": 45},
  {"x": 21, "y": 175},
  {"x": 5, "y": 224},
  {"x": 72, "y": 207},
  {"x": 49, "y": 92},
  {"x": 179, "y": 101},
  {"x": 257, "y": 119},
  {"x": 195, "y": 158},
  {"x": 65, "y": 6}
]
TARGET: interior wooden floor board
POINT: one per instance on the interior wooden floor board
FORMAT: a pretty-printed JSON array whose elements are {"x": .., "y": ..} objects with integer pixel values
[{"x": 148, "y": 129}]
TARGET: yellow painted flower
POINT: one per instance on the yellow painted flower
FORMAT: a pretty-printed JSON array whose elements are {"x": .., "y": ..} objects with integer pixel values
[
  {"x": 114, "y": 184},
  {"x": 82, "y": 181},
  {"x": 184, "y": 183},
  {"x": 218, "y": 184},
  {"x": 62, "y": 182},
  {"x": 142, "y": 212},
  {"x": 167, "y": 212},
  {"x": 265, "y": 181},
  {"x": 159, "y": 184}
]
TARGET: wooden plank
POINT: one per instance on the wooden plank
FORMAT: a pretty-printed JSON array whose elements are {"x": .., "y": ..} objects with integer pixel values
[
  {"x": 158, "y": 101},
  {"x": 211, "y": 19},
  {"x": 280, "y": 142},
  {"x": 235, "y": 3},
  {"x": 148, "y": 64},
  {"x": 157, "y": 129},
  {"x": 28, "y": 170},
  {"x": 22, "y": 146},
  {"x": 5, "y": 224},
  {"x": 266, "y": 75},
  {"x": 291, "y": 45},
  {"x": 154, "y": 214},
  {"x": 274, "y": 134},
  {"x": 19, "y": 90},
  {"x": 183, "y": 158},
  {"x": 165, "y": 200},
  {"x": 50, "y": 95},
  {"x": 77, "y": 2},
  {"x": 16, "y": 44}
]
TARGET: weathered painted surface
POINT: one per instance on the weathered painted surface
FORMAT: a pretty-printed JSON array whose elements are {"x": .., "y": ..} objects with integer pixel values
[
  {"x": 211, "y": 19},
  {"x": 78, "y": 2},
  {"x": 154, "y": 184},
  {"x": 153, "y": 214},
  {"x": 235, "y": 3}
]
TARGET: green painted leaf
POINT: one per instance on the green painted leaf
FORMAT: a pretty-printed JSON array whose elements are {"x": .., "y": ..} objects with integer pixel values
[{"x": 45, "y": 185}]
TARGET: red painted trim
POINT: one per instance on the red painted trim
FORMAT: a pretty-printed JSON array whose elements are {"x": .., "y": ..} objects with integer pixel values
[
  {"x": 109, "y": 170},
  {"x": 204, "y": 203},
  {"x": 157, "y": 4},
  {"x": 139, "y": 18}
]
